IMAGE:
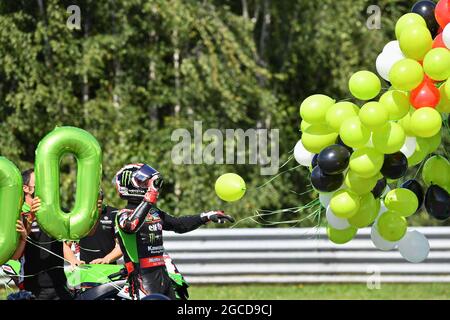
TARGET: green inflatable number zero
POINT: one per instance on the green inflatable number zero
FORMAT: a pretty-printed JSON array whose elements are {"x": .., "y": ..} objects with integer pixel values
[
  {"x": 87, "y": 151},
  {"x": 10, "y": 202}
]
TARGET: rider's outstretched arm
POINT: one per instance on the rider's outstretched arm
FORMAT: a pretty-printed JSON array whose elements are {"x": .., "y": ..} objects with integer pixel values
[
  {"x": 189, "y": 223},
  {"x": 130, "y": 221}
]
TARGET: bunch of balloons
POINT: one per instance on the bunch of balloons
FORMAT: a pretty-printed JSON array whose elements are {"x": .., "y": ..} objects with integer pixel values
[{"x": 355, "y": 151}]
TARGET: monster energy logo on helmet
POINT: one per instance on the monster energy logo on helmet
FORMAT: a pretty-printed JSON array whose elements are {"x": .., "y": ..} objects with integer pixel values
[{"x": 126, "y": 177}]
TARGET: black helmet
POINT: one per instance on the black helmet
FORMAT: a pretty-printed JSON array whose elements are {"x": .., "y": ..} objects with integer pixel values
[{"x": 131, "y": 180}]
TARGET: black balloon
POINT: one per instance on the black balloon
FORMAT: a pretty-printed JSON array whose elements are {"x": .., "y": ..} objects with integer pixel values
[
  {"x": 415, "y": 187},
  {"x": 341, "y": 143},
  {"x": 314, "y": 161},
  {"x": 425, "y": 9},
  {"x": 437, "y": 202},
  {"x": 333, "y": 159},
  {"x": 326, "y": 183},
  {"x": 379, "y": 188},
  {"x": 395, "y": 165}
]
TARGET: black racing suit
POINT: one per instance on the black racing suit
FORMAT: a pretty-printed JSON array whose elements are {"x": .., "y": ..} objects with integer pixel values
[{"x": 141, "y": 240}]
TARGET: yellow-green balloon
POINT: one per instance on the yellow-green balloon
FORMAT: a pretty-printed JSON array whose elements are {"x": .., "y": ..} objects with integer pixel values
[
  {"x": 402, "y": 201},
  {"x": 366, "y": 162},
  {"x": 358, "y": 184},
  {"x": 405, "y": 123},
  {"x": 434, "y": 142},
  {"x": 407, "y": 21},
  {"x": 367, "y": 213},
  {"x": 406, "y": 74},
  {"x": 415, "y": 42},
  {"x": 364, "y": 85},
  {"x": 340, "y": 112},
  {"x": 389, "y": 139},
  {"x": 304, "y": 125},
  {"x": 447, "y": 87},
  {"x": 230, "y": 187},
  {"x": 314, "y": 108},
  {"x": 422, "y": 150},
  {"x": 391, "y": 226},
  {"x": 317, "y": 137},
  {"x": 444, "y": 102},
  {"x": 436, "y": 171},
  {"x": 396, "y": 103},
  {"x": 436, "y": 64},
  {"x": 341, "y": 236},
  {"x": 426, "y": 122},
  {"x": 373, "y": 115},
  {"x": 344, "y": 203},
  {"x": 353, "y": 133}
]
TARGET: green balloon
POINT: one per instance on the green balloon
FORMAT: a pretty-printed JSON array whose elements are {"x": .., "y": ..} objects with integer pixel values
[
  {"x": 340, "y": 112},
  {"x": 230, "y": 187},
  {"x": 367, "y": 213},
  {"x": 341, "y": 236},
  {"x": 364, "y": 85},
  {"x": 447, "y": 88},
  {"x": 353, "y": 133},
  {"x": 406, "y": 74},
  {"x": 366, "y": 162},
  {"x": 304, "y": 125},
  {"x": 358, "y": 184},
  {"x": 444, "y": 102},
  {"x": 317, "y": 137},
  {"x": 391, "y": 226},
  {"x": 396, "y": 104},
  {"x": 405, "y": 123},
  {"x": 436, "y": 64},
  {"x": 10, "y": 201},
  {"x": 436, "y": 171},
  {"x": 415, "y": 42},
  {"x": 373, "y": 115},
  {"x": 402, "y": 201},
  {"x": 422, "y": 150},
  {"x": 344, "y": 203},
  {"x": 389, "y": 139},
  {"x": 86, "y": 149},
  {"x": 426, "y": 122},
  {"x": 434, "y": 142},
  {"x": 314, "y": 108},
  {"x": 407, "y": 21}
]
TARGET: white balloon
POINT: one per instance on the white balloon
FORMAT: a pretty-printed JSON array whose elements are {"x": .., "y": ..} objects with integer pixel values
[
  {"x": 385, "y": 61},
  {"x": 392, "y": 48},
  {"x": 446, "y": 36},
  {"x": 336, "y": 222},
  {"x": 379, "y": 242},
  {"x": 414, "y": 247},
  {"x": 325, "y": 198},
  {"x": 409, "y": 147},
  {"x": 301, "y": 155}
]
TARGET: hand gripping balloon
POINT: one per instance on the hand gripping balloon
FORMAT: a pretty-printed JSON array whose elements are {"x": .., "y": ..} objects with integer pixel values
[
  {"x": 10, "y": 202},
  {"x": 51, "y": 149}
]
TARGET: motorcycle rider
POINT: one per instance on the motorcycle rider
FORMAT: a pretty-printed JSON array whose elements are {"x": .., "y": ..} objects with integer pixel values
[{"x": 140, "y": 225}]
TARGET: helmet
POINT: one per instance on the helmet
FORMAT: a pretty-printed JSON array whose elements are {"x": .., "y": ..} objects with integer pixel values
[{"x": 132, "y": 180}]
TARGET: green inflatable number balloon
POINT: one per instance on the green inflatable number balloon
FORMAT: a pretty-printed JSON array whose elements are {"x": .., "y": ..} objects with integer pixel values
[
  {"x": 426, "y": 122},
  {"x": 391, "y": 226},
  {"x": 407, "y": 21},
  {"x": 314, "y": 108},
  {"x": 366, "y": 162},
  {"x": 389, "y": 139},
  {"x": 364, "y": 85},
  {"x": 396, "y": 104},
  {"x": 436, "y": 171},
  {"x": 437, "y": 64},
  {"x": 340, "y": 112},
  {"x": 10, "y": 202},
  {"x": 353, "y": 133},
  {"x": 230, "y": 187},
  {"x": 373, "y": 115},
  {"x": 402, "y": 201},
  {"x": 358, "y": 184},
  {"x": 415, "y": 42},
  {"x": 406, "y": 74},
  {"x": 367, "y": 213},
  {"x": 341, "y": 236},
  {"x": 345, "y": 203},
  {"x": 317, "y": 137},
  {"x": 87, "y": 151}
]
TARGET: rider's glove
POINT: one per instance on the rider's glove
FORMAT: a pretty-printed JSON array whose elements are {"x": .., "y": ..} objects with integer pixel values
[
  {"x": 154, "y": 186},
  {"x": 216, "y": 216}
]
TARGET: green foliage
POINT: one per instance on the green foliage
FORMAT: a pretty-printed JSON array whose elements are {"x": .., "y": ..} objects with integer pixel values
[{"x": 138, "y": 69}]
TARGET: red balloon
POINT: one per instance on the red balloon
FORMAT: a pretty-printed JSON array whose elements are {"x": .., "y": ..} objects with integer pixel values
[
  {"x": 439, "y": 42},
  {"x": 442, "y": 13},
  {"x": 425, "y": 95}
]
